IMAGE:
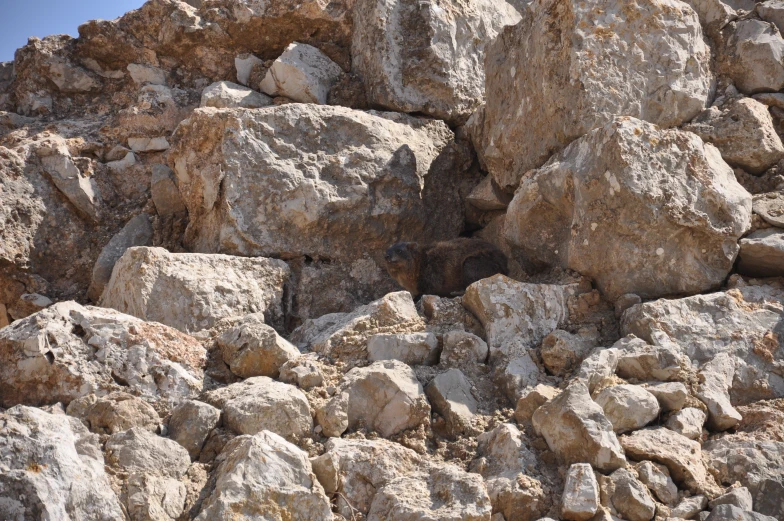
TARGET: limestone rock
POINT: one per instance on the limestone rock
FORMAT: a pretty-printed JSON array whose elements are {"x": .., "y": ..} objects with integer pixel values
[
  {"x": 139, "y": 450},
  {"x": 252, "y": 348},
  {"x": 206, "y": 288},
  {"x": 716, "y": 380},
  {"x": 228, "y": 95},
  {"x": 731, "y": 513},
  {"x": 246, "y": 65},
  {"x": 580, "y": 499},
  {"x": 191, "y": 423},
  {"x": 599, "y": 365},
  {"x": 516, "y": 376},
  {"x": 772, "y": 11},
  {"x": 562, "y": 351},
  {"x": 714, "y": 14},
  {"x": 645, "y": 362},
  {"x": 743, "y": 131},
  {"x": 688, "y": 422},
  {"x": 266, "y": 477},
  {"x": 689, "y": 507},
  {"x": 302, "y": 73},
  {"x": 672, "y": 396},
  {"x": 67, "y": 351},
  {"x": 577, "y": 430},
  {"x": 28, "y": 304},
  {"x": 532, "y": 400},
  {"x": 658, "y": 480},
  {"x": 80, "y": 189},
  {"x": 631, "y": 498},
  {"x": 770, "y": 206},
  {"x": 303, "y": 372},
  {"x": 565, "y": 69},
  {"x": 628, "y": 407},
  {"x": 554, "y": 220},
  {"x": 753, "y": 56},
  {"x": 146, "y": 144},
  {"x": 463, "y": 348},
  {"x": 409, "y": 348},
  {"x": 440, "y": 69},
  {"x": 154, "y": 498},
  {"x": 738, "y": 497},
  {"x": 487, "y": 196},
  {"x": 762, "y": 253},
  {"x": 262, "y": 404},
  {"x": 164, "y": 191},
  {"x": 450, "y": 396},
  {"x": 114, "y": 413}
]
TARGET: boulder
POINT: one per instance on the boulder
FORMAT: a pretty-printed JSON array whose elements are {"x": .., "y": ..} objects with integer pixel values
[
  {"x": 600, "y": 364},
  {"x": 642, "y": 361},
  {"x": 52, "y": 468},
  {"x": 228, "y": 95},
  {"x": 770, "y": 206},
  {"x": 265, "y": 477},
  {"x": 165, "y": 194},
  {"x": 565, "y": 69},
  {"x": 450, "y": 396},
  {"x": 262, "y": 404},
  {"x": 67, "y": 351},
  {"x": 628, "y": 407},
  {"x": 80, "y": 189},
  {"x": 532, "y": 400},
  {"x": 654, "y": 242},
  {"x": 657, "y": 478},
  {"x": 410, "y": 348},
  {"x": 303, "y": 372},
  {"x": 206, "y": 288},
  {"x": 689, "y": 507},
  {"x": 672, "y": 396},
  {"x": 252, "y": 348},
  {"x": 461, "y": 348},
  {"x": 772, "y": 11},
  {"x": 631, "y": 498},
  {"x": 738, "y": 497},
  {"x": 752, "y": 56},
  {"x": 562, "y": 351},
  {"x": 113, "y": 413},
  {"x": 518, "y": 375},
  {"x": 154, "y": 498},
  {"x": 577, "y": 430},
  {"x": 440, "y": 69},
  {"x": 716, "y": 379},
  {"x": 732, "y": 513},
  {"x": 302, "y": 73},
  {"x": 762, "y": 253},
  {"x": 688, "y": 422},
  {"x": 580, "y": 499},
  {"x": 191, "y": 423}
]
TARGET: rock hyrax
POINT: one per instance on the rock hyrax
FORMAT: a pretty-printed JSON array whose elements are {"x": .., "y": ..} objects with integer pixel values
[{"x": 444, "y": 268}]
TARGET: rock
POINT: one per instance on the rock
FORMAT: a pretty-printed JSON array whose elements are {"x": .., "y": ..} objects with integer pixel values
[
  {"x": 70, "y": 78},
  {"x": 743, "y": 131},
  {"x": 690, "y": 507},
  {"x": 687, "y": 422},
  {"x": 598, "y": 365},
  {"x": 146, "y": 144},
  {"x": 753, "y": 56},
  {"x": 191, "y": 423},
  {"x": 154, "y": 498},
  {"x": 679, "y": 454},
  {"x": 553, "y": 71},
  {"x": 440, "y": 71},
  {"x": 443, "y": 493},
  {"x": 532, "y": 400},
  {"x": 332, "y": 417},
  {"x": 377, "y": 178},
  {"x": 577, "y": 430},
  {"x": 266, "y": 477},
  {"x": 463, "y": 348},
  {"x": 247, "y": 65},
  {"x": 487, "y": 196},
  {"x": 81, "y": 190},
  {"x": 731, "y": 513},
  {"x": 139, "y": 450},
  {"x": 450, "y": 396},
  {"x": 346, "y": 335},
  {"x": 123, "y": 164},
  {"x": 772, "y": 11},
  {"x": 28, "y": 304},
  {"x": 770, "y": 207},
  {"x": 252, "y": 348},
  {"x": 580, "y": 499},
  {"x": 302, "y": 372},
  {"x": 517, "y": 316},
  {"x": 628, "y": 407},
  {"x": 672, "y": 396},
  {"x": 142, "y": 74},
  {"x": 165, "y": 194},
  {"x": 228, "y": 95},
  {"x": 716, "y": 380},
  {"x": 762, "y": 253},
  {"x": 262, "y": 404},
  {"x": 554, "y": 220},
  {"x": 562, "y": 351},
  {"x": 385, "y": 396},
  {"x": 714, "y": 14},
  {"x": 52, "y": 467},
  {"x": 409, "y": 348},
  {"x": 631, "y": 498},
  {"x": 67, "y": 351},
  {"x": 518, "y": 375},
  {"x": 302, "y": 73},
  {"x": 658, "y": 480},
  {"x": 136, "y": 232},
  {"x": 644, "y": 362},
  {"x": 739, "y": 497},
  {"x": 206, "y": 288},
  {"x": 771, "y": 99},
  {"x": 114, "y": 413},
  {"x": 624, "y": 302}
]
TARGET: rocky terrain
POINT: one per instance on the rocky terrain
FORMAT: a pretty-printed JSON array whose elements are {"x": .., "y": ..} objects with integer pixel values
[{"x": 196, "y": 322}]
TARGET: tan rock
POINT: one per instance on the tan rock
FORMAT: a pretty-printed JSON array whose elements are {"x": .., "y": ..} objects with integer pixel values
[
  {"x": 762, "y": 253},
  {"x": 191, "y": 423},
  {"x": 252, "y": 348},
  {"x": 228, "y": 95},
  {"x": 580, "y": 499},
  {"x": 114, "y": 413},
  {"x": 628, "y": 407},
  {"x": 302, "y": 73},
  {"x": 450, "y": 396},
  {"x": 752, "y": 57}
]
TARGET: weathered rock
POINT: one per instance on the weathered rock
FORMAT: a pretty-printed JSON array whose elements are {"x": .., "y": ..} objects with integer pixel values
[
  {"x": 714, "y": 14},
  {"x": 631, "y": 498},
  {"x": 154, "y": 498},
  {"x": 516, "y": 376},
  {"x": 716, "y": 380},
  {"x": 562, "y": 351},
  {"x": 52, "y": 467},
  {"x": 642, "y": 361},
  {"x": 228, "y": 95},
  {"x": 599, "y": 365},
  {"x": 206, "y": 288},
  {"x": 743, "y": 131},
  {"x": 686, "y": 245},
  {"x": 463, "y": 348},
  {"x": 164, "y": 191},
  {"x": 28, "y": 304},
  {"x": 565, "y": 69},
  {"x": 252, "y": 348},
  {"x": 440, "y": 70},
  {"x": 772, "y": 11},
  {"x": 770, "y": 206},
  {"x": 302, "y": 372},
  {"x": 689, "y": 507},
  {"x": 753, "y": 56},
  {"x": 409, "y": 348},
  {"x": 80, "y": 189},
  {"x": 628, "y": 407},
  {"x": 265, "y": 477},
  {"x": 688, "y": 422},
  {"x": 146, "y": 144},
  {"x": 139, "y": 450},
  {"x": 142, "y": 74},
  {"x": 762, "y": 253},
  {"x": 658, "y": 480},
  {"x": 532, "y": 400},
  {"x": 450, "y": 396},
  {"x": 67, "y": 351},
  {"x": 577, "y": 430},
  {"x": 247, "y": 65},
  {"x": 487, "y": 196},
  {"x": 191, "y": 423},
  {"x": 731, "y": 513},
  {"x": 262, "y": 404},
  {"x": 580, "y": 499},
  {"x": 302, "y": 73},
  {"x": 114, "y": 413},
  {"x": 738, "y": 497},
  {"x": 672, "y": 396}
]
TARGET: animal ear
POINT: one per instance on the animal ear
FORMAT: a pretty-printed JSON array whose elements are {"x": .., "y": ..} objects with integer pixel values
[{"x": 411, "y": 246}]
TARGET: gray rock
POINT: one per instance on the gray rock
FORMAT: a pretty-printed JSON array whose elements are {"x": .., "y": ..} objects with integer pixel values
[
  {"x": 228, "y": 95},
  {"x": 154, "y": 498},
  {"x": 139, "y": 450},
  {"x": 252, "y": 348},
  {"x": 762, "y": 253},
  {"x": 580, "y": 499},
  {"x": 246, "y": 65},
  {"x": 772, "y": 11},
  {"x": 302, "y": 73},
  {"x": 657, "y": 478},
  {"x": 731, "y": 513},
  {"x": 165, "y": 194},
  {"x": 143, "y": 74},
  {"x": 28, "y": 304},
  {"x": 562, "y": 351},
  {"x": 81, "y": 190},
  {"x": 644, "y": 362},
  {"x": 714, "y": 391},
  {"x": 672, "y": 396},
  {"x": 631, "y": 498},
  {"x": 516, "y": 376},
  {"x": 409, "y": 348},
  {"x": 599, "y": 365},
  {"x": 461, "y": 348},
  {"x": 113, "y": 413},
  {"x": 302, "y": 372},
  {"x": 738, "y": 497},
  {"x": 628, "y": 407},
  {"x": 690, "y": 507},
  {"x": 191, "y": 423},
  {"x": 753, "y": 56},
  {"x": 450, "y": 396},
  {"x": 770, "y": 206},
  {"x": 688, "y": 422},
  {"x": 148, "y": 144}
]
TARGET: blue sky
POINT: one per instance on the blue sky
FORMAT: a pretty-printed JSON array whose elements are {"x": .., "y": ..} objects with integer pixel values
[{"x": 20, "y": 19}]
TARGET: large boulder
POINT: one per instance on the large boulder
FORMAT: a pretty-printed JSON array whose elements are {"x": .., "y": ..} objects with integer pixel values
[
  {"x": 67, "y": 351},
  {"x": 191, "y": 291},
  {"x": 571, "y": 66},
  {"x": 636, "y": 208},
  {"x": 428, "y": 59}
]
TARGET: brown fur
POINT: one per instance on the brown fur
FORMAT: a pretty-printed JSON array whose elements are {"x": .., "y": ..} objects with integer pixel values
[{"x": 444, "y": 268}]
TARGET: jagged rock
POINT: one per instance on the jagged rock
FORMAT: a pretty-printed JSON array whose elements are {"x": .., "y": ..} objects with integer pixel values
[
  {"x": 577, "y": 430},
  {"x": 658, "y": 480},
  {"x": 440, "y": 70},
  {"x": 689, "y": 507},
  {"x": 114, "y": 413},
  {"x": 80, "y": 189},
  {"x": 562, "y": 351},
  {"x": 487, "y": 196},
  {"x": 631, "y": 498},
  {"x": 672, "y": 396},
  {"x": 345, "y": 335},
  {"x": 518, "y": 375},
  {"x": 762, "y": 253},
  {"x": 143, "y": 74},
  {"x": 716, "y": 381},
  {"x": 154, "y": 498},
  {"x": 262, "y": 404},
  {"x": 731, "y": 513},
  {"x": 247, "y": 65},
  {"x": 687, "y": 422},
  {"x": 191, "y": 423},
  {"x": 206, "y": 287},
  {"x": 409, "y": 348},
  {"x": 353, "y": 470},
  {"x": 228, "y": 95},
  {"x": 713, "y": 14},
  {"x": 385, "y": 396},
  {"x": 565, "y": 70},
  {"x": 599, "y": 365},
  {"x": 252, "y": 348},
  {"x": 146, "y": 144},
  {"x": 266, "y": 477},
  {"x": 639, "y": 360},
  {"x": 450, "y": 396},
  {"x": 302, "y": 372},
  {"x": 67, "y": 351},
  {"x": 752, "y": 57},
  {"x": 442, "y": 493},
  {"x": 628, "y": 407},
  {"x": 136, "y": 232},
  {"x": 743, "y": 131},
  {"x": 462, "y": 348},
  {"x": 302, "y": 73},
  {"x": 164, "y": 191},
  {"x": 139, "y": 450},
  {"x": 28, "y": 304},
  {"x": 580, "y": 499},
  {"x": 532, "y": 400},
  {"x": 770, "y": 206},
  {"x": 772, "y": 11},
  {"x": 738, "y": 497},
  {"x": 554, "y": 220}
]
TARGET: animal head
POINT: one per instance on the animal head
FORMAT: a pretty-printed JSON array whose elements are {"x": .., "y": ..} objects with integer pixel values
[
  {"x": 402, "y": 260},
  {"x": 401, "y": 253}
]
